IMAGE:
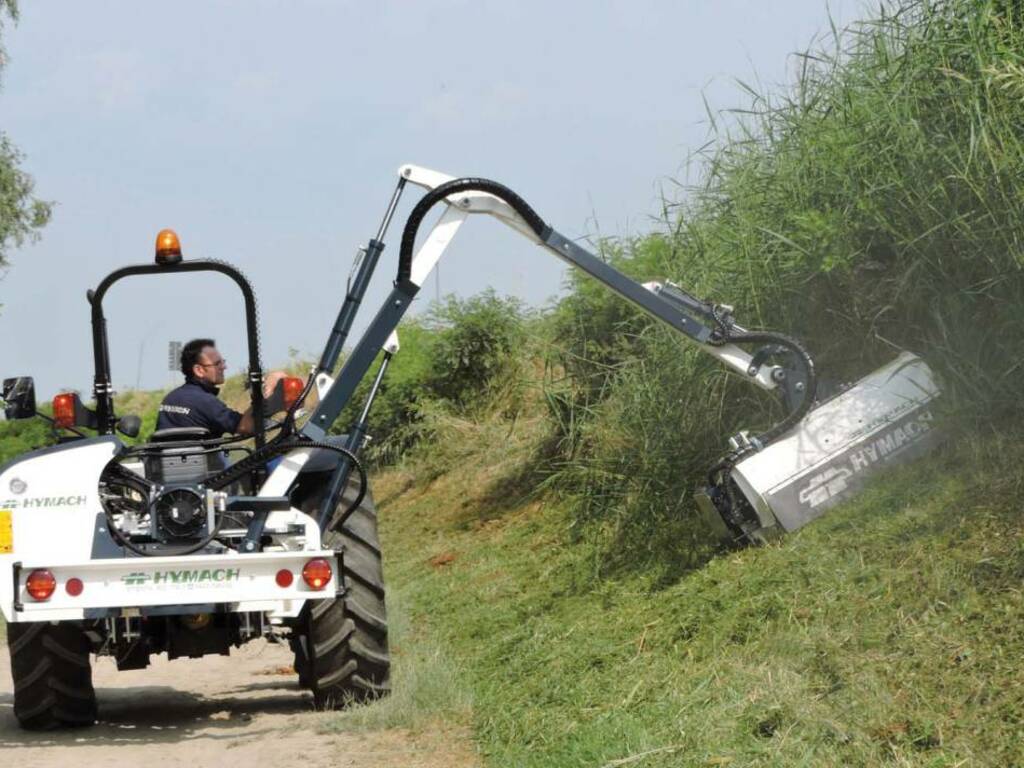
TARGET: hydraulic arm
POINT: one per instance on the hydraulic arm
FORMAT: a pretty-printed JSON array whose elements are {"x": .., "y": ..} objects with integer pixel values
[{"x": 777, "y": 362}]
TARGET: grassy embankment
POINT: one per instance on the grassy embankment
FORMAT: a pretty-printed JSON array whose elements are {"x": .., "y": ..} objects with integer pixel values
[
  {"x": 888, "y": 633},
  {"x": 876, "y": 205}
]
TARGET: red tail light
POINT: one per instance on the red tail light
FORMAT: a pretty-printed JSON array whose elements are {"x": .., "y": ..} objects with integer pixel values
[
  {"x": 317, "y": 573},
  {"x": 284, "y": 578},
  {"x": 292, "y": 387},
  {"x": 40, "y": 584},
  {"x": 74, "y": 586},
  {"x": 64, "y": 410}
]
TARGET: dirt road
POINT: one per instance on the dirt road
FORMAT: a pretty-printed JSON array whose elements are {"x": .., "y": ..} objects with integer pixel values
[{"x": 214, "y": 711}]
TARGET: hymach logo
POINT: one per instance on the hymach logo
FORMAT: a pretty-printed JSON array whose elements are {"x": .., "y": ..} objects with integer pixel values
[
  {"x": 135, "y": 579},
  {"x": 185, "y": 578},
  {"x": 197, "y": 576},
  {"x": 834, "y": 481},
  {"x": 41, "y": 501},
  {"x": 824, "y": 486}
]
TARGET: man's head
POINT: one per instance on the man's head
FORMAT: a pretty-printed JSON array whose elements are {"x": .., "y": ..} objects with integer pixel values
[{"x": 200, "y": 360}]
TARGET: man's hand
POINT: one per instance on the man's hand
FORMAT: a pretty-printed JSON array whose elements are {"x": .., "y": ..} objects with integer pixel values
[
  {"x": 271, "y": 381},
  {"x": 247, "y": 425}
]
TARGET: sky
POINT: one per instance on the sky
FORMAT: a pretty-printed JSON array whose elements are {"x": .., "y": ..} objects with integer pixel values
[{"x": 268, "y": 134}]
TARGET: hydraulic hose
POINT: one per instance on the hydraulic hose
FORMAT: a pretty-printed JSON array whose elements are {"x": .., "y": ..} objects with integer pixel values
[
  {"x": 810, "y": 386},
  {"x": 440, "y": 192},
  {"x": 541, "y": 229},
  {"x": 285, "y": 445},
  {"x": 271, "y": 450}
]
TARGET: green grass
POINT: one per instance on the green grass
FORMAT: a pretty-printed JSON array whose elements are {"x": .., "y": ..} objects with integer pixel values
[
  {"x": 428, "y": 688},
  {"x": 888, "y": 633}
]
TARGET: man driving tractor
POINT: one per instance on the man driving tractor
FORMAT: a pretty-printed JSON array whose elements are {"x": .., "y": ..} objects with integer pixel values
[{"x": 195, "y": 403}]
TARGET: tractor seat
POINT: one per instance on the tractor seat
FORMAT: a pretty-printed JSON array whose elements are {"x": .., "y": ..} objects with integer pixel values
[
  {"x": 180, "y": 434},
  {"x": 184, "y": 459}
]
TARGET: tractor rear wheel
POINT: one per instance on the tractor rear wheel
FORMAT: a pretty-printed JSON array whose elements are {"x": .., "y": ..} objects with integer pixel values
[
  {"x": 52, "y": 675},
  {"x": 341, "y": 644}
]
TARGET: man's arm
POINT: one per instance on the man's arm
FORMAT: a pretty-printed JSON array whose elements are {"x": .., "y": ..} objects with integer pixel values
[{"x": 247, "y": 425}]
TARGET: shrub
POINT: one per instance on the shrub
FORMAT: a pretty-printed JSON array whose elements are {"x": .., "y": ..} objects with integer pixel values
[
  {"x": 18, "y": 437},
  {"x": 476, "y": 347},
  {"x": 455, "y": 359}
]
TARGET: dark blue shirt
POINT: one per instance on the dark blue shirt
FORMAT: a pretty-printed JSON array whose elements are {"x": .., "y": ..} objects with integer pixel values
[{"x": 195, "y": 404}]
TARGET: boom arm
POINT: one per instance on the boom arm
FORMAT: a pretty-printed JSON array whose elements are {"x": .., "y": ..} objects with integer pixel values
[
  {"x": 708, "y": 325},
  {"x": 664, "y": 301}
]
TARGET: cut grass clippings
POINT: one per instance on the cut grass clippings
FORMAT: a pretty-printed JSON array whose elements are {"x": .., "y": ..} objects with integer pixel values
[{"x": 888, "y": 633}]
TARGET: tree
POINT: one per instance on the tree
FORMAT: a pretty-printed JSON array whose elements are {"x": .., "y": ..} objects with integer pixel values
[{"x": 21, "y": 214}]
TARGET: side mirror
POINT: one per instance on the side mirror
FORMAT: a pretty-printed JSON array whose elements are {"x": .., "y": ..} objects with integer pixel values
[
  {"x": 129, "y": 425},
  {"x": 19, "y": 396}
]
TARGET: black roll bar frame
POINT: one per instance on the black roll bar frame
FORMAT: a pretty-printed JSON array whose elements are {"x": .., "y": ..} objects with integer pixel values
[{"x": 103, "y": 388}]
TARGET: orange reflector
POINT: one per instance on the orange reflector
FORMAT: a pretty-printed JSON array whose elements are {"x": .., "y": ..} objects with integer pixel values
[
  {"x": 74, "y": 586},
  {"x": 40, "y": 584},
  {"x": 317, "y": 573},
  {"x": 292, "y": 387},
  {"x": 284, "y": 578},
  {"x": 64, "y": 410},
  {"x": 168, "y": 248}
]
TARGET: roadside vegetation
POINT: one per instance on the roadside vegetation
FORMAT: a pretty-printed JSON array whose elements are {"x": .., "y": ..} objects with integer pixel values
[
  {"x": 22, "y": 214},
  {"x": 547, "y": 534},
  {"x": 535, "y": 470}
]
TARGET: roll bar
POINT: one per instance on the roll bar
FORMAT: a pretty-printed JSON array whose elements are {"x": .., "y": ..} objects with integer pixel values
[{"x": 102, "y": 386}]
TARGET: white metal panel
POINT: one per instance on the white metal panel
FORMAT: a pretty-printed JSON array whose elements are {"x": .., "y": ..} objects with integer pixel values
[
  {"x": 423, "y": 177},
  {"x": 324, "y": 382},
  {"x": 840, "y": 432},
  {"x": 437, "y": 241},
  {"x": 470, "y": 202},
  {"x": 285, "y": 472},
  {"x": 739, "y": 360},
  {"x": 232, "y": 579},
  {"x": 53, "y": 500}
]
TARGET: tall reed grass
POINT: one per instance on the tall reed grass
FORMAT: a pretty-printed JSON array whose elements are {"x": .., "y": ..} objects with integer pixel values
[{"x": 871, "y": 206}]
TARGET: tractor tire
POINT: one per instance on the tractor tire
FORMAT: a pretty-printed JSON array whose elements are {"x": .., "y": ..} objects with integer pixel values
[
  {"x": 341, "y": 644},
  {"x": 52, "y": 675}
]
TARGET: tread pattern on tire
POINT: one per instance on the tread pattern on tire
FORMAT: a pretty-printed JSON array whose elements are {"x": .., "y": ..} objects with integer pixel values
[
  {"x": 52, "y": 675},
  {"x": 349, "y": 634}
]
